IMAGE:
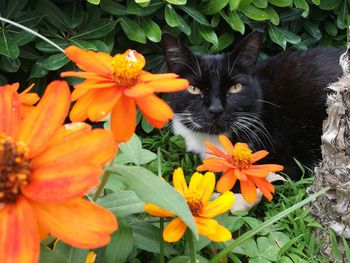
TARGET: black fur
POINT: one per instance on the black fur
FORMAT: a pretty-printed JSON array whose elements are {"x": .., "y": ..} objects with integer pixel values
[{"x": 280, "y": 108}]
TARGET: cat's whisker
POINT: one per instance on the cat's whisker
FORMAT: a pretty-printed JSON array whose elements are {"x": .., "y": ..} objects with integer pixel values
[{"x": 271, "y": 103}]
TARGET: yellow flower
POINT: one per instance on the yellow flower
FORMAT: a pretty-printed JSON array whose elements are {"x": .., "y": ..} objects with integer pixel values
[{"x": 197, "y": 196}]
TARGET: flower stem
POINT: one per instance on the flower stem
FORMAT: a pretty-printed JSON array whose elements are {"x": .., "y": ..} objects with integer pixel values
[
  {"x": 191, "y": 247},
  {"x": 102, "y": 185},
  {"x": 162, "y": 243}
]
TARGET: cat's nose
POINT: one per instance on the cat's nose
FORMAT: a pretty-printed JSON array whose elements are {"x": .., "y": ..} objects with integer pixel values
[{"x": 216, "y": 107}]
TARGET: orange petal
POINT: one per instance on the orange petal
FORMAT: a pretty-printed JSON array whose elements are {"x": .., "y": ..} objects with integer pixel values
[
  {"x": 269, "y": 167},
  {"x": 240, "y": 174},
  {"x": 87, "y": 85},
  {"x": 217, "y": 165},
  {"x": 85, "y": 75},
  {"x": 216, "y": 151},
  {"x": 179, "y": 181},
  {"x": 9, "y": 110},
  {"x": 256, "y": 172},
  {"x": 155, "y": 108},
  {"x": 157, "y": 211},
  {"x": 248, "y": 191},
  {"x": 146, "y": 76},
  {"x": 265, "y": 187},
  {"x": 205, "y": 226},
  {"x": 201, "y": 168},
  {"x": 19, "y": 238},
  {"x": 259, "y": 155},
  {"x": 29, "y": 98},
  {"x": 221, "y": 234},
  {"x": 92, "y": 147},
  {"x": 218, "y": 206},
  {"x": 38, "y": 127},
  {"x": 155, "y": 123},
  {"x": 13, "y": 86},
  {"x": 174, "y": 230},
  {"x": 139, "y": 90},
  {"x": 89, "y": 60},
  {"x": 79, "y": 112},
  {"x": 78, "y": 222},
  {"x": 207, "y": 186},
  {"x": 168, "y": 85},
  {"x": 226, "y": 143},
  {"x": 57, "y": 183},
  {"x": 123, "y": 119},
  {"x": 103, "y": 103},
  {"x": 226, "y": 181}
]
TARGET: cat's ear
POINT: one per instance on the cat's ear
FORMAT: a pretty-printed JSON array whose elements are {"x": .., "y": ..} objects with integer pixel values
[
  {"x": 176, "y": 53},
  {"x": 246, "y": 53}
]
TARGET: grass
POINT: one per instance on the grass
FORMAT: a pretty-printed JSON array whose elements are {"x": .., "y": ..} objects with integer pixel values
[{"x": 298, "y": 242}]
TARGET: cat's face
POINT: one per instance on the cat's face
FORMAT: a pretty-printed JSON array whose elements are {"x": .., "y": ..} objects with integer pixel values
[{"x": 222, "y": 92}]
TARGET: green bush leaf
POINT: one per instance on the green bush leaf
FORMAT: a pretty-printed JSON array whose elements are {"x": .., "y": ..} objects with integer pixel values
[
  {"x": 313, "y": 29},
  {"x": 273, "y": 15},
  {"x": 55, "y": 61},
  {"x": 152, "y": 189},
  {"x": 97, "y": 30},
  {"x": 121, "y": 244},
  {"x": 331, "y": 28},
  {"x": 208, "y": 34},
  {"x": 302, "y": 4},
  {"x": 234, "y": 4},
  {"x": 14, "y": 7},
  {"x": 196, "y": 15},
  {"x": 281, "y": 3},
  {"x": 73, "y": 14},
  {"x": 152, "y": 30},
  {"x": 113, "y": 7},
  {"x": 10, "y": 65},
  {"x": 342, "y": 18},
  {"x": 254, "y": 13},
  {"x": 23, "y": 37},
  {"x": 276, "y": 36},
  {"x": 234, "y": 21},
  {"x": 329, "y": 4},
  {"x": 72, "y": 254},
  {"x": 48, "y": 48},
  {"x": 134, "y": 9},
  {"x": 213, "y": 7},
  {"x": 260, "y": 3},
  {"x": 87, "y": 45},
  {"x": 176, "y": 2},
  {"x": 171, "y": 17},
  {"x": 8, "y": 46},
  {"x": 132, "y": 30},
  {"x": 132, "y": 149},
  {"x": 94, "y": 2},
  {"x": 48, "y": 255},
  {"x": 38, "y": 71}
]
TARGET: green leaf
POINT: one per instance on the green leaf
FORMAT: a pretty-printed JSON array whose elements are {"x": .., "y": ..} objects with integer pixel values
[
  {"x": 48, "y": 48},
  {"x": 113, "y": 7},
  {"x": 171, "y": 17},
  {"x": 134, "y": 9},
  {"x": 234, "y": 4},
  {"x": 55, "y": 61},
  {"x": 122, "y": 203},
  {"x": 290, "y": 14},
  {"x": 302, "y": 4},
  {"x": 176, "y": 2},
  {"x": 273, "y": 15},
  {"x": 14, "y": 7},
  {"x": 281, "y": 3},
  {"x": 248, "y": 248},
  {"x": 83, "y": 44},
  {"x": 316, "y": 2},
  {"x": 290, "y": 36},
  {"x": 132, "y": 30},
  {"x": 342, "y": 18},
  {"x": 38, "y": 71},
  {"x": 234, "y": 21},
  {"x": 100, "y": 45},
  {"x": 331, "y": 28},
  {"x": 196, "y": 15},
  {"x": 23, "y": 37},
  {"x": 132, "y": 149},
  {"x": 254, "y": 13},
  {"x": 97, "y": 30},
  {"x": 94, "y": 2},
  {"x": 143, "y": 3},
  {"x": 225, "y": 40},
  {"x": 208, "y": 34},
  {"x": 73, "y": 14},
  {"x": 48, "y": 255},
  {"x": 144, "y": 183},
  {"x": 146, "y": 126},
  {"x": 147, "y": 237},
  {"x": 72, "y": 254},
  {"x": 260, "y": 3},
  {"x": 8, "y": 46},
  {"x": 152, "y": 30},
  {"x": 268, "y": 249},
  {"x": 313, "y": 29},
  {"x": 329, "y": 4},
  {"x": 276, "y": 36},
  {"x": 121, "y": 244},
  {"x": 213, "y": 7},
  {"x": 29, "y": 19},
  {"x": 9, "y": 65}
]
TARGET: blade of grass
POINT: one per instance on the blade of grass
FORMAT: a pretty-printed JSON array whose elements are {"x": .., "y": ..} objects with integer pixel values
[{"x": 335, "y": 249}]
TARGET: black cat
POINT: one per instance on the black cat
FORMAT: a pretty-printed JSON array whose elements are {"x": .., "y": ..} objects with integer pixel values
[{"x": 277, "y": 104}]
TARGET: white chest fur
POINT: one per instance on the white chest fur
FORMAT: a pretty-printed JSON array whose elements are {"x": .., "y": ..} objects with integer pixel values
[{"x": 194, "y": 140}]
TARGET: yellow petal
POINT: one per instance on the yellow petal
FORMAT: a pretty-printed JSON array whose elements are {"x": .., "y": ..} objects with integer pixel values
[
  {"x": 207, "y": 186},
  {"x": 179, "y": 181},
  {"x": 205, "y": 226},
  {"x": 195, "y": 181},
  {"x": 174, "y": 230},
  {"x": 221, "y": 234},
  {"x": 157, "y": 211},
  {"x": 218, "y": 206}
]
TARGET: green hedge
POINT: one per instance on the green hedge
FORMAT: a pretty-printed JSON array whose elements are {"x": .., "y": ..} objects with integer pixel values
[{"x": 114, "y": 25}]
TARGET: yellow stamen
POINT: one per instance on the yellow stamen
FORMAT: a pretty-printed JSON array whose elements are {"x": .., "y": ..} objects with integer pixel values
[
  {"x": 194, "y": 203},
  {"x": 127, "y": 67},
  {"x": 14, "y": 168},
  {"x": 241, "y": 156}
]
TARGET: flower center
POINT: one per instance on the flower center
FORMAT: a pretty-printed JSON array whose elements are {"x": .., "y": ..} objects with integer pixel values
[
  {"x": 194, "y": 203},
  {"x": 14, "y": 168},
  {"x": 241, "y": 156},
  {"x": 127, "y": 67}
]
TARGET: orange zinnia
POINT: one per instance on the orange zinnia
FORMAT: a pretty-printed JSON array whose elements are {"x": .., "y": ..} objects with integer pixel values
[
  {"x": 237, "y": 163},
  {"x": 117, "y": 85},
  {"x": 45, "y": 168},
  {"x": 197, "y": 196}
]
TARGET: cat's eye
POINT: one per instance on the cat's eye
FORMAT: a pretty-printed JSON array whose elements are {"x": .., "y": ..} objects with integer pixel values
[
  {"x": 235, "y": 88},
  {"x": 193, "y": 90}
]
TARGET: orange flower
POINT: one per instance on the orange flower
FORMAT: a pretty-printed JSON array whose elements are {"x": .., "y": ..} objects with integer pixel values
[
  {"x": 237, "y": 163},
  {"x": 27, "y": 99},
  {"x": 197, "y": 196},
  {"x": 118, "y": 84},
  {"x": 45, "y": 168}
]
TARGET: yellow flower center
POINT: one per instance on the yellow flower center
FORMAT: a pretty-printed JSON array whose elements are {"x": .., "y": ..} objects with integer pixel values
[
  {"x": 242, "y": 156},
  {"x": 14, "y": 168},
  {"x": 127, "y": 67},
  {"x": 194, "y": 203}
]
